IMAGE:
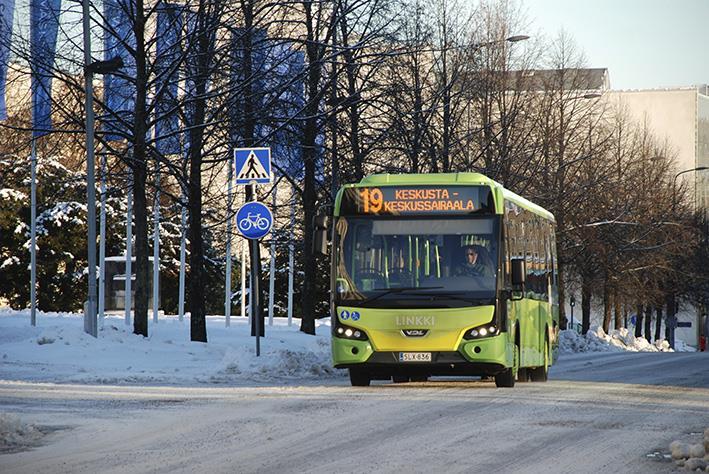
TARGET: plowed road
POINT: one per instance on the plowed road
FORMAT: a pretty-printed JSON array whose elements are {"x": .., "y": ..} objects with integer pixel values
[{"x": 598, "y": 413}]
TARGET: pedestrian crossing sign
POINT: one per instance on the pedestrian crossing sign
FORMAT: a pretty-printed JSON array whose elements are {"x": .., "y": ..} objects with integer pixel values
[{"x": 252, "y": 165}]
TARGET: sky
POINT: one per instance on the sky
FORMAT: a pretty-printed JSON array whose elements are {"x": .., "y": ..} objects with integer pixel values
[{"x": 645, "y": 44}]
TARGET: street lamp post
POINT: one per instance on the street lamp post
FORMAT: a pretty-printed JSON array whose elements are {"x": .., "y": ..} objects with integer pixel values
[
  {"x": 674, "y": 181},
  {"x": 671, "y": 316},
  {"x": 90, "y": 67},
  {"x": 572, "y": 303}
]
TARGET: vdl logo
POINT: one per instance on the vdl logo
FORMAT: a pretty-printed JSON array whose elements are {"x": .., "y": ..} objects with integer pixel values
[{"x": 345, "y": 315}]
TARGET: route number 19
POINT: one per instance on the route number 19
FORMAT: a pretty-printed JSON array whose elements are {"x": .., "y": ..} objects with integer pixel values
[{"x": 373, "y": 200}]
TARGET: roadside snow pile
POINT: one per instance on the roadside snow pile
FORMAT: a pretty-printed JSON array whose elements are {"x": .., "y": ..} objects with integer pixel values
[
  {"x": 14, "y": 434},
  {"x": 58, "y": 350},
  {"x": 693, "y": 457},
  {"x": 596, "y": 340}
]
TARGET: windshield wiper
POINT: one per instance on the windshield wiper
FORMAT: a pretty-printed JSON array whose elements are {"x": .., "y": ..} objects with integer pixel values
[
  {"x": 391, "y": 291},
  {"x": 453, "y": 296}
]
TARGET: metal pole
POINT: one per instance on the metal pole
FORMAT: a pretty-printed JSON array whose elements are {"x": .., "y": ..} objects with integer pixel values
[
  {"x": 706, "y": 327},
  {"x": 90, "y": 318},
  {"x": 156, "y": 244},
  {"x": 33, "y": 235},
  {"x": 183, "y": 228},
  {"x": 243, "y": 280},
  {"x": 129, "y": 253},
  {"x": 102, "y": 245},
  {"x": 290, "y": 258},
  {"x": 229, "y": 220},
  {"x": 255, "y": 313},
  {"x": 255, "y": 309},
  {"x": 272, "y": 269}
]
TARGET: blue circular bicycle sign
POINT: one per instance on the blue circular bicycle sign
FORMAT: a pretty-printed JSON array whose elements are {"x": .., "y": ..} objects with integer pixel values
[{"x": 254, "y": 220}]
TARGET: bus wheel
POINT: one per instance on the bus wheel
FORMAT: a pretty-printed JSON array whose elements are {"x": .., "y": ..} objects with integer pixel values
[
  {"x": 523, "y": 375},
  {"x": 507, "y": 377},
  {"x": 399, "y": 378},
  {"x": 359, "y": 378},
  {"x": 541, "y": 374},
  {"x": 419, "y": 378}
]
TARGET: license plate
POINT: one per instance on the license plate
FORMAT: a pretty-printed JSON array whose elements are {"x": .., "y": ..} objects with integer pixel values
[{"x": 414, "y": 357}]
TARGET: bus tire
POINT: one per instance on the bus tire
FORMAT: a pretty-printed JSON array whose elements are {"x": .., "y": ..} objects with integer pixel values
[
  {"x": 507, "y": 377},
  {"x": 399, "y": 378},
  {"x": 541, "y": 374},
  {"x": 360, "y": 378},
  {"x": 523, "y": 375},
  {"x": 419, "y": 378}
]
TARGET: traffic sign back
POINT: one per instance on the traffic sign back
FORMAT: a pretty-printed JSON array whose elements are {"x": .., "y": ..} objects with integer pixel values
[{"x": 252, "y": 165}]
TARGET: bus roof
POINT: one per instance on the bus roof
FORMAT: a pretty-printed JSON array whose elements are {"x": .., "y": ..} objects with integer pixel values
[{"x": 452, "y": 179}]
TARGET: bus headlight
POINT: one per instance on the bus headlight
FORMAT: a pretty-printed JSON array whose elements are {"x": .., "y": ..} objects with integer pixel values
[
  {"x": 346, "y": 332},
  {"x": 487, "y": 330}
]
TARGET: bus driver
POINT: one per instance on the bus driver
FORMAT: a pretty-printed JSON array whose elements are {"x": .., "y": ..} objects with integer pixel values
[{"x": 475, "y": 264}]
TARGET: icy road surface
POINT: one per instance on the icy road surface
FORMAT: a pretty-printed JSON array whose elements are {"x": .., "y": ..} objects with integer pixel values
[{"x": 598, "y": 413}]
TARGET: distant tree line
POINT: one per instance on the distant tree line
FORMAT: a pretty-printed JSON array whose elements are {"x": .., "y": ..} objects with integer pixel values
[{"x": 344, "y": 88}]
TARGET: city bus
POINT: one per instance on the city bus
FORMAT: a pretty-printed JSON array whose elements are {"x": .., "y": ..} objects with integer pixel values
[{"x": 440, "y": 275}]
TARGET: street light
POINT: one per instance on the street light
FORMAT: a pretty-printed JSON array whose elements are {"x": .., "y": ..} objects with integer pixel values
[
  {"x": 674, "y": 184},
  {"x": 511, "y": 39},
  {"x": 701, "y": 168},
  {"x": 514, "y": 39},
  {"x": 103, "y": 67},
  {"x": 672, "y": 320},
  {"x": 590, "y": 95}
]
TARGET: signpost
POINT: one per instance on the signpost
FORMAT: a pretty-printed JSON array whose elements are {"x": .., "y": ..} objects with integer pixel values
[
  {"x": 671, "y": 323},
  {"x": 254, "y": 220},
  {"x": 253, "y": 165}
]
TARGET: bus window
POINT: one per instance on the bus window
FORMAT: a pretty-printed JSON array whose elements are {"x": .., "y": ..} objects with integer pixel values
[{"x": 416, "y": 253}]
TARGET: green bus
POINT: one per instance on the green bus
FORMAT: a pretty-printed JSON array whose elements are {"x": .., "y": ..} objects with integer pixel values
[{"x": 440, "y": 274}]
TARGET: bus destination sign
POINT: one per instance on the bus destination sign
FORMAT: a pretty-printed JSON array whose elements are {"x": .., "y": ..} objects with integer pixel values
[{"x": 411, "y": 200}]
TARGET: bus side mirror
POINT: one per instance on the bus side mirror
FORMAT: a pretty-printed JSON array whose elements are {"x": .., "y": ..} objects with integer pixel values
[
  {"x": 519, "y": 273},
  {"x": 322, "y": 224}
]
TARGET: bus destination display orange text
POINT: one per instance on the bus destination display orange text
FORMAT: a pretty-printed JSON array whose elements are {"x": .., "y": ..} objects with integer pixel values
[{"x": 373, "y": 201}]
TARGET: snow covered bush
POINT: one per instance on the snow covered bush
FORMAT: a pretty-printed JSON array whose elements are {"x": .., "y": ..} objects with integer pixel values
[{"x": 61, "y": 233}]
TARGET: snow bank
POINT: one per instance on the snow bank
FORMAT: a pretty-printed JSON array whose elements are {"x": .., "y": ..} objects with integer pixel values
[
  {"x": 15, "y": 435},
  {"x": 58, "y": 350},
  {"x": 693, "y": 457},
  {"x": 596, "y": 340}
]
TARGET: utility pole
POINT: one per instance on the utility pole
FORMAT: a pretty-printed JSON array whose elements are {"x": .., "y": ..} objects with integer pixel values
[
  {"x": 91, "y": 67},
  {"x": 671, "y": 321},
  {"x": 90, "y": 315},
  {"x": 229, "y": 220}
]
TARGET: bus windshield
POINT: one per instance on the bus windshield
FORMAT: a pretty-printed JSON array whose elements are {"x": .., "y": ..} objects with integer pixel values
[{"x": 432, "y": 262}]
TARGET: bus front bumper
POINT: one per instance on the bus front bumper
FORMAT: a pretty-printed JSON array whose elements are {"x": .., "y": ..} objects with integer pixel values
[{"x": 487, "y": 356}]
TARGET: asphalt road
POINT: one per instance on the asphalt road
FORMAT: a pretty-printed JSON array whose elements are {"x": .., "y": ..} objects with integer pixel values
[{"x": 598, "y": 413}]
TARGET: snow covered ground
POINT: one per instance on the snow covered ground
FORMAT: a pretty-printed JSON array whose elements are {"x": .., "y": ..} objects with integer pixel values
[
  {"x": 15, "y": 434},
  {"x": 58, "y": 350},
  {"x": 124, "y": 403},
  {"x": 596, "y": 340}
]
